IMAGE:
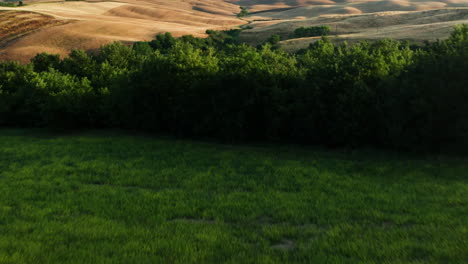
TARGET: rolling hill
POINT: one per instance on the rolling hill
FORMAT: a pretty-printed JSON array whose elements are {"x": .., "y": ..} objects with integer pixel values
[
  {"x": 413, "y": 20},
  {"x": 90, "y": 24},
  {"x": 60, "y": 26}
]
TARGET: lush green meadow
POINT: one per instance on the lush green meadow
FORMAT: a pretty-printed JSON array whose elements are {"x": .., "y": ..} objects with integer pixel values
[{"x": 112, "y": 197}]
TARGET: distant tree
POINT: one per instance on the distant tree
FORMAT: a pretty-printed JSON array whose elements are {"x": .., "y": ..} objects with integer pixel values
[
  {"x": 79, "y": 64},
  {"x": 274, "y": 39},
  {"x": 142, "y": 48},
  {"x": 43, "y": 61},
  {"x": 221, "y": 39},
  {"x": 163, "y": 42},
  {"x": 117, "y": 55},
  {"x": 315, "y": 31},
  {"x": 272, "y": 42},
  {"x": 243, "y": 12}
]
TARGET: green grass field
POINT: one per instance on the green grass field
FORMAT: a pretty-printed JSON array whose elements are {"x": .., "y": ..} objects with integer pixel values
[{"x": 110, "y": 197}]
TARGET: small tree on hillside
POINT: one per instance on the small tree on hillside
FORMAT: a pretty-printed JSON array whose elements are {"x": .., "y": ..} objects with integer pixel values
[{"x": 243, "y": 12}]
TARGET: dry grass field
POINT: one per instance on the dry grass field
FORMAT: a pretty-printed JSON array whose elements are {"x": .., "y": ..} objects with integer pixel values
[
  {"x": 309, "y": 8},
  {"x": 60, "y": 26},
  {"x": 90, "y": 24},
  {"x": 15, "y": 24},
  {"x": 413, "y": 20},
  {"x": 414, "y": 26}
]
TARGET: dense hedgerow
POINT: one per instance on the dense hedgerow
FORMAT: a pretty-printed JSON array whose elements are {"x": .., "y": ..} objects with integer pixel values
[
  {"x": 383, "y": 93},
  {"x": 315, "y": 31}
]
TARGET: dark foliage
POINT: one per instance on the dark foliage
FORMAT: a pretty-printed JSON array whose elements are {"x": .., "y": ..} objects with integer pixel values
[
  {"x": 383, "y": 94},
  {"x": 315, "y": 31},
  {"x": 7, "y": 4},
  {"x": 244, "y": 12}
]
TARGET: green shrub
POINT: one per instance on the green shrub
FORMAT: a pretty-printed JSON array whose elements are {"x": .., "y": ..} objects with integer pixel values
[
  {"x": 14, "y": 106},
  {"x": 63, "y": 100},
  {"x": 43, "y": 62},
  {"x": 315, "y": 31},
  {"x": 244, "y": 12}
]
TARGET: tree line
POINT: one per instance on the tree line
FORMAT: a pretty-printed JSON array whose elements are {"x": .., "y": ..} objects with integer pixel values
[
  {"x": 385, "y": 94},
  {"x": 315, "y": 31}
]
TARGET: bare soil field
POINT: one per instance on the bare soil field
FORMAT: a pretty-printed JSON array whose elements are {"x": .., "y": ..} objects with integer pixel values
[{"x": 59, "y": 26}]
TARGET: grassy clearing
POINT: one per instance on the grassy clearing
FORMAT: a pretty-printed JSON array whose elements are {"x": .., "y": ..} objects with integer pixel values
[{"x": 108, "y": 197}]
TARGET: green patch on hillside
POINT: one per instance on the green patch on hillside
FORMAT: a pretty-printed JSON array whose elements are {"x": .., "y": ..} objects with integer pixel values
[
  {"x": 108, "y": 197},
  {"x": 244, "y": 12},
  {"x": 7, "y": 4}
]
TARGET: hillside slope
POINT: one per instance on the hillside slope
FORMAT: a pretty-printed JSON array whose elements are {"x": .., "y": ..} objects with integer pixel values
[
  {"x": 60, "y": 26},
  {"x": 89, "y": 24},
  {"x": 414, "y": 26}
]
